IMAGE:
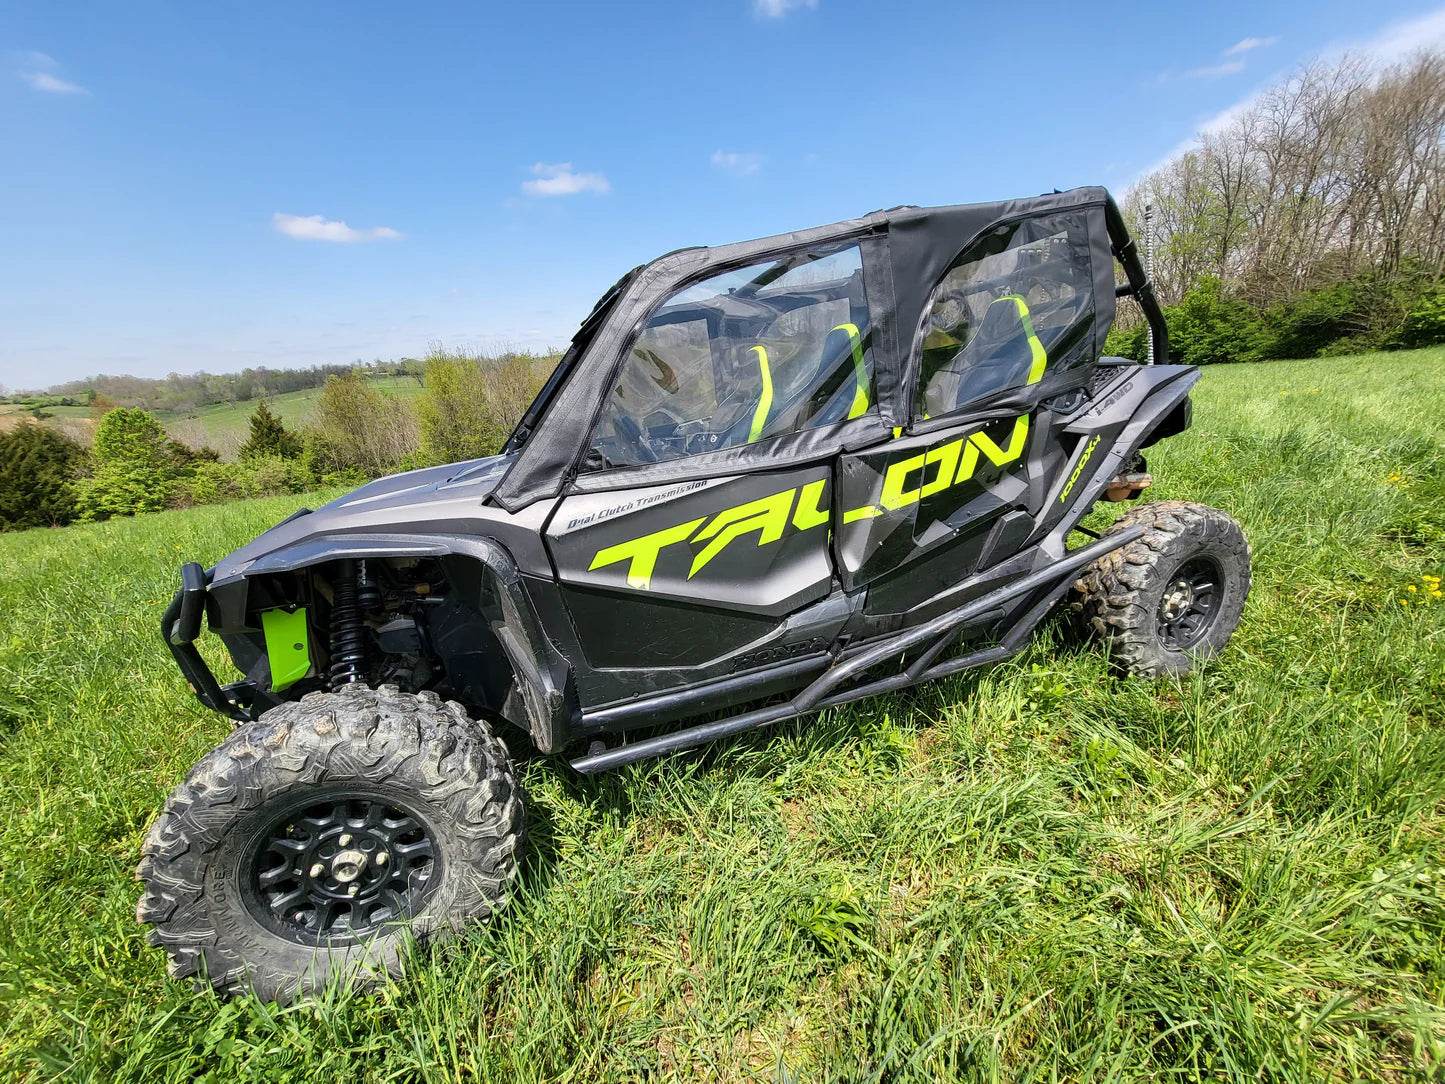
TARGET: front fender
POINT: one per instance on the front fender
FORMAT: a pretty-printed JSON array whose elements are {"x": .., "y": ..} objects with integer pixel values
[{"x": 546, "y": 704}]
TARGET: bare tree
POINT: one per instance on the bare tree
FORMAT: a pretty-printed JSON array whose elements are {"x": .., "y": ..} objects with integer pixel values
[
  {"x": 1338, "y": 170},
  {"x": 1399, "y": 161}
]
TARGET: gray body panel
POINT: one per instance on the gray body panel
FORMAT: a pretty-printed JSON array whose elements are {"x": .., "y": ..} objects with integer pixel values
[{"x": 397, "y": 515}]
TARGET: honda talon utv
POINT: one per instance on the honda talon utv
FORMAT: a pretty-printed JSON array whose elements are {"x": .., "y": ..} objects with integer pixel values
[{"x": 765, "y": 480}]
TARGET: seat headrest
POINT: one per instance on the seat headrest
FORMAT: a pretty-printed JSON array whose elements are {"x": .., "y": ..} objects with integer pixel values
[{"x": 1001, "y": 322}]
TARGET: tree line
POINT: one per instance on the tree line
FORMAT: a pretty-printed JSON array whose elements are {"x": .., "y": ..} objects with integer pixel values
[
  {"x": 1312, "y": 222},
  {"x": 468, "y": 405},
  {"x": 185, "y": 393}
]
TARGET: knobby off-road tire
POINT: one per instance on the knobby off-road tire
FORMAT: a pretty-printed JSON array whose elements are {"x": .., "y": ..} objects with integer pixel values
[
  {"x": 403, "y": 796},
  {"x": 1173, "y": 596}
]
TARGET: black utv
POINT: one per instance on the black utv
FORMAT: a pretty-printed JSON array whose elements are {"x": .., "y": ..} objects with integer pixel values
[{"x": 766, "y": 479}]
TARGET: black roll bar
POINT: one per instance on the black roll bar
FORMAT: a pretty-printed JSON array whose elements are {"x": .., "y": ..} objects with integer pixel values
[{"x": 1139, "y": 286}]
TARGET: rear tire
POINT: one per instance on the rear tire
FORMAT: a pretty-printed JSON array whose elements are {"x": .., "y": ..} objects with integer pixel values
[
  {"x": 1171, "y": 597},
  {"x": 314, "y": 843}
]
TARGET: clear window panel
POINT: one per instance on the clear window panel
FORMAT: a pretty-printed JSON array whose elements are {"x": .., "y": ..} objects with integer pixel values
[
  {"x": 1015, "y": 304},
  {"x": 772, "y": 348}
]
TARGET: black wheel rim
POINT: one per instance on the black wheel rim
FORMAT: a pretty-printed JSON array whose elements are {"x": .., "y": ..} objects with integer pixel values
[
  {"x": 340, "y": 869},
  {"x": 1190, "y": 603}
]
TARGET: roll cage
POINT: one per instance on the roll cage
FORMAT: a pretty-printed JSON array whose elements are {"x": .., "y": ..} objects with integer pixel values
[{"x": 905, "y": 252}]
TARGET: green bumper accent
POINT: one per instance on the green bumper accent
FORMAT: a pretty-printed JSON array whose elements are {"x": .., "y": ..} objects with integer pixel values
[{"x": 286, "y": 646}]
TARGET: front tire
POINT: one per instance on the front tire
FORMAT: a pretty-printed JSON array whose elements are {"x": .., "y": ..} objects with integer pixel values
[
  {"x": 1171, "y": 597},
  {"x": 309, "y": 845}
]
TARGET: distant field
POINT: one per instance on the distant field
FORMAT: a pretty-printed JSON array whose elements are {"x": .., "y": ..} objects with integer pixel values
[
  {"x": 1039, "y": 872},
  {"x": 11, "y": 411},
  {"x": 223, "y": 426},
  {"x": 15, "y": 410}
]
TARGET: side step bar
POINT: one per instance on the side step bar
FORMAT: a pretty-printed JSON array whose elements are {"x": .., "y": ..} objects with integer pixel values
[{"x": 937, "y": 634}]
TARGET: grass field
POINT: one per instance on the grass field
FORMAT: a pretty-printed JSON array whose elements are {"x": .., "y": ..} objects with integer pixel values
[
  {"x": 223, "y": 426},
  {"x": 1038, "y": 872},
  {"x": 226, "y": 425}
]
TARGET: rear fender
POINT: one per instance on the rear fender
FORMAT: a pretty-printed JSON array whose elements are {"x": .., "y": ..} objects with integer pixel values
[{"x": 1148, "y": 404}]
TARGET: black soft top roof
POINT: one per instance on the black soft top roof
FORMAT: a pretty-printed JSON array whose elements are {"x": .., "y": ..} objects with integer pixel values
[{"x": 906, "y": 251}]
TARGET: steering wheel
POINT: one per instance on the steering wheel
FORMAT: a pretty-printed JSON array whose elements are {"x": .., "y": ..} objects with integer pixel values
[
  {"x": 948, "y": 313},
  {"x": 627, "y": 430}
]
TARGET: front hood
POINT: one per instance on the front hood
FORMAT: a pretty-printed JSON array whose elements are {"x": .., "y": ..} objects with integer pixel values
[
  {"x": 477, "y": 476},
  {"x": 400, "y": 510}
]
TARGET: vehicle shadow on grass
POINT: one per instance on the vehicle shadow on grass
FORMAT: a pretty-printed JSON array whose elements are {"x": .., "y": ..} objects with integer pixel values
[
  {"x": 840, "y": 739},
  {"x": 564, "y": 806}
]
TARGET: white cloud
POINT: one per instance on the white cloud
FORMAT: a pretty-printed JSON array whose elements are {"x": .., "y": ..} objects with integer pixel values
[
  {"x": 735, "y": 162},
  {"x": 1399, "y": 40},
  {"x": 1214, "y": 71},
  {"x": 52, "y": 84},
  {"x": 776, "y": 9},
  {"x": 1245, "y": 45},
  {"x": 559, "y": 179},
  {"x": 39, "y": 71},
  {"x": 316, "y": 228}
]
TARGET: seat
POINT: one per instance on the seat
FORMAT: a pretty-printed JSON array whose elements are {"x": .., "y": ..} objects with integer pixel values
[{"x": 1003, "y": 352}]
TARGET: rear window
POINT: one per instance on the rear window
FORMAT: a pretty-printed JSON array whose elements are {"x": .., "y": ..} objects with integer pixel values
[{"x": 1015, "y": 304}]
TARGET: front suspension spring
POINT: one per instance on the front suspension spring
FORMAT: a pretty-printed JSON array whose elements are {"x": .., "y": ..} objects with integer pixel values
[{"x": 348, "y": 631}]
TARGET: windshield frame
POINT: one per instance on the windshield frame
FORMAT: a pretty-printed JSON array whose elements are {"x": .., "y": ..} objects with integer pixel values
[{"x": 531, "y": 417}]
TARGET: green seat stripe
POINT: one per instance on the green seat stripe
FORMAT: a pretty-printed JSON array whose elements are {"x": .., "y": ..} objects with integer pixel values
[
  {"x": 860, "y": 370},
  {"x": 1040, "y": 355},
  {"x": 765, "y": 402}
]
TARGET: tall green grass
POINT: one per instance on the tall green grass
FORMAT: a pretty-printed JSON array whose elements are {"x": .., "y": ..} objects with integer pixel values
[{"x": 1037, "y": 872}]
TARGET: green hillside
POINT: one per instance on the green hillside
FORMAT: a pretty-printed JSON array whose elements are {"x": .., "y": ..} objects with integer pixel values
[
  {"x": 222, "y": 426},
  {"x": 225, "y": 425},
  {"x": 1036, "y": 872}
]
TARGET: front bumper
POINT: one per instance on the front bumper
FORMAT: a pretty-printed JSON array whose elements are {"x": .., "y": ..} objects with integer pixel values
[{"x": 180, "y": 626}]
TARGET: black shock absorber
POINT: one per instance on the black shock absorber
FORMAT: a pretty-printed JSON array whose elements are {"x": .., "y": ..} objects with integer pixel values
[
  {"x": 368, "y": 591},
  {"x": 348, "y": 633}
]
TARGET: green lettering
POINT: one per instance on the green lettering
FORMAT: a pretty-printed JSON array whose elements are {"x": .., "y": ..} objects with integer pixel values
[{"x": 642, "y": 552}]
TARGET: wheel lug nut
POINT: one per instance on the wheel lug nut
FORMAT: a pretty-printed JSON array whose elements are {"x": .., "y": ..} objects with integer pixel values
[
  {"x": 345, "y": 839},
  {"x": 318, "y": 869},
  {"x": 353, "y": 890},
  {"x": 383, "y": 858}
]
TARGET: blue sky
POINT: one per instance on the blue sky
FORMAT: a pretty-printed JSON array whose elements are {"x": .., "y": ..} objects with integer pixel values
[{"x": 201, "y": 186}]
